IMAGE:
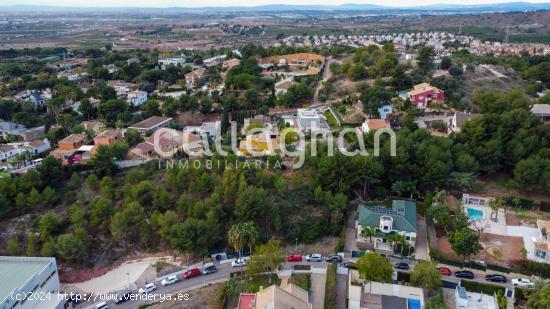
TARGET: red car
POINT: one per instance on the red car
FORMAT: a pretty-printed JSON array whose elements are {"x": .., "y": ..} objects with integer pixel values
[
  {"x": 193, "y": 272},
  {"x": 445, "y": 271},
  {"x": 294, "y": 258}
]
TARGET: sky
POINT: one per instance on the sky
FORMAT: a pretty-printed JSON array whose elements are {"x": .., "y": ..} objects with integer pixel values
[{"x": 206, "y": 3}]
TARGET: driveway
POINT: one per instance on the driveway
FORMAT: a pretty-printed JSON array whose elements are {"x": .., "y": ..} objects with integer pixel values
[
  {"x": 351, "y": 243},
  {"x": 341, "y": 289},
  {"x": 421, "y": 247},
  {"x": 318, "y": 281}
]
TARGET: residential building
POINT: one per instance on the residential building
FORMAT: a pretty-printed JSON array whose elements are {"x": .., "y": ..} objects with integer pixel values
[
  {"x": 399, "y": 219},
  {"x": 108, "y": 137},
  {"x": 471, "y": 300},
  {"x": 26, "y": 275},
  {"x": 374, "y": 124},
  {"x": 93, "y": 125},
  {"x": 541, "y": 111},
  {"x": 423, "y": 93},
  {"x": 289, "y": 296},
  {"x": 385, "y": 110},
  {"x": 262, "y": 122},
  {"x": 377, "y": 295},
  {"x": 10, "y": 128},
  {"x": 458, "y": 120},
  {"x": 176, "y": 61},
  {"x": 7, "y": 151},
  {"x": 70, "y": 146},
  {"x": 542, "y": 242},
  {"x": 37, "y": 98},
  {"x": 310, "y": 120},
  {"x": 260, "y": 144},
  {"x": 192, "y": 77},
  {"x": 137, "y": 97},
  {"x": 210, "y": 129},
  {"x": 283, "y": 85},
  {"x": 151, "y": 124},
  {"x": 476, "y": 200},
  {"x": 32, "y": 148},
  {"x": 231, "y": 63},
  {"x": 121, "y": 87},
  {"x": 213, "y": 60},
  {"x": 73, "y": 141},
  {"x": 165, "y": 146},
  {"x": 32, "y": 134},
  {"x": 305, "y": 63}
]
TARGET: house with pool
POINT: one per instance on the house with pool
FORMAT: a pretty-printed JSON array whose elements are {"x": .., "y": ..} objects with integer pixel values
[{"x": 383, "y": 222}]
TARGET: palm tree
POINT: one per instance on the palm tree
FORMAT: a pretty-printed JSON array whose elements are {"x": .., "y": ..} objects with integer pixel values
[
  {"x": 495, "y": 204},
  {"x": 440, "y": 196},
  {"x": 368, "y": 231},
  {"x": 397, "y": 238},
  {"x": 251, "y": 234},
  {"x": 235, "y": 237}
]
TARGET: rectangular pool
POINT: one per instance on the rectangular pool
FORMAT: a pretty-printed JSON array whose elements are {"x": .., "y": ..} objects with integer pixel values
[{"x": 474, "y": 214}]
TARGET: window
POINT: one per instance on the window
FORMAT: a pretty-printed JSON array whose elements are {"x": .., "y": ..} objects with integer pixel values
[
  {"x": 385, "y": 227},
  {"x": 540, "y": 254},
  {"x": 407, "y": 237}
]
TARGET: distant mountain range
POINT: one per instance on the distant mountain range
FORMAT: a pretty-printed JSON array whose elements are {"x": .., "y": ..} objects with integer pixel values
[{"x": 435, "y": 8}]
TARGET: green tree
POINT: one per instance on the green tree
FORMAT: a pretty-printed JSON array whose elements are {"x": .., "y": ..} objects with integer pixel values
[
  {"x": 539, "y": 297},
  {"x": 133, "y": 137},
  {"x": 426, "y": 275},
  {"x": 101, "y": 211},
  {"x": 70, "y": 248},
  {"x": 92, "y": 181},
  {"x": 464, "y": 242},
  {"x": 35, "y": 199},
  {"x": 13, "y": 245},
  {"x": 268, "y": 258},
  {"x": 103, "y": 161},
  {"x": 48, "y": 248},
  {"x": 374, "y": 268},
  {"x": 48, "y": 225},
  {"x": 236, "y": 237},
  {"x": 424, "y": 59},
  {"x": 32, "y": 245}
]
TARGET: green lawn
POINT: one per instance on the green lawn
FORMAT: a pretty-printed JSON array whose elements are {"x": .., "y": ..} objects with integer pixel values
[
  {"x": 331, "y": 120},
  {"x": 301, "y": 280}
]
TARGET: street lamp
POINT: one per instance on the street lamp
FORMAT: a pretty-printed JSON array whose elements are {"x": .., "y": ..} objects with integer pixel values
[{"x": 296, "y": 246}]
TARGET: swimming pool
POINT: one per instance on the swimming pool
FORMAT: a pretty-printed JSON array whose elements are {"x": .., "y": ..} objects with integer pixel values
[{"x": 474, "y": 214}]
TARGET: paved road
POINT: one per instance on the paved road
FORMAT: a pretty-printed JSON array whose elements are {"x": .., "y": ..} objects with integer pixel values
[
  {"x": 186, "y": 285},
  {"x": 421, "y": 247}
]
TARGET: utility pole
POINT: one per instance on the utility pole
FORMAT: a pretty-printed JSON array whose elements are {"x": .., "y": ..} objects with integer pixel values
[{"x": 187, "y": 260}]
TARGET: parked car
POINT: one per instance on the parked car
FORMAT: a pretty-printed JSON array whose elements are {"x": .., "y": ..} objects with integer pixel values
[
  {"x": 496, "y": 278},
  {"x": 192, "y": 273},
  {"x": 334, "y": 258},
  {"x": 294, "y": 258},
  {"x": 209, "y": 270},
  {"x": 168, "y": 281},
  {"x": 123, "y": 296},
  {"x": 238, "y": 263},
  {"x": 401, "y": 266},
  {"x": 465, "y": 274},
  {"x": 314, "y": 257},
  {"x": 149, "y": 287},
  {"x": 445, "y": 271},
  {"x": 522, "y": 282},
  {"x": 102, "y": 305},
  {"x": 349, "y": 264}
]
